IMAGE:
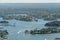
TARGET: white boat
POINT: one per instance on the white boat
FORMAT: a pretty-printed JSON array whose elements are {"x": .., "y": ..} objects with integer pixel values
[
  {"x": 18, "y": 32},
  {"x": 45, "y": 39}
]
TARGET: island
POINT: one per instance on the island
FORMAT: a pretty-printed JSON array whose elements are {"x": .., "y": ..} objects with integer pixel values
[
  {"x": 43, "y": 31},
  {"x": 21, "y": 17},
  {"x": 3, "y": 34},
  {"x": 4, "y": 22},
  {"x": 53, "y": 24}
]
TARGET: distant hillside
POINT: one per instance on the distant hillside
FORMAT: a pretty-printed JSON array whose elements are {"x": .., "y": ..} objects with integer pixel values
[
  {"x": 40, "y": 10},
  {"x": 30, "y": 5}
]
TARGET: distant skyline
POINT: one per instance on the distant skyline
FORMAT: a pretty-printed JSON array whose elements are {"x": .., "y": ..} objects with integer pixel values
[{"x": 29, "y": 1}]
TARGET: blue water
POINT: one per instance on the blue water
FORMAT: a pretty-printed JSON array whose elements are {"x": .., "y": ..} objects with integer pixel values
[{"x": 17, "y": 32}]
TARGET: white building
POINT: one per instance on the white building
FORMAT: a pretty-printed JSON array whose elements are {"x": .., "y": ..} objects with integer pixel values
[{"x": 57, "y": 38}]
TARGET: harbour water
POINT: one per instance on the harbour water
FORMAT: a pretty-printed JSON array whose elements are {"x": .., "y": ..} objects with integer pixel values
[{"x": 17, "y": 32}]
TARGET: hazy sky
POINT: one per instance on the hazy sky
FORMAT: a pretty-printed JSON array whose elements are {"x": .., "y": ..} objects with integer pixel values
[{"x": 29, "y": 1}]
